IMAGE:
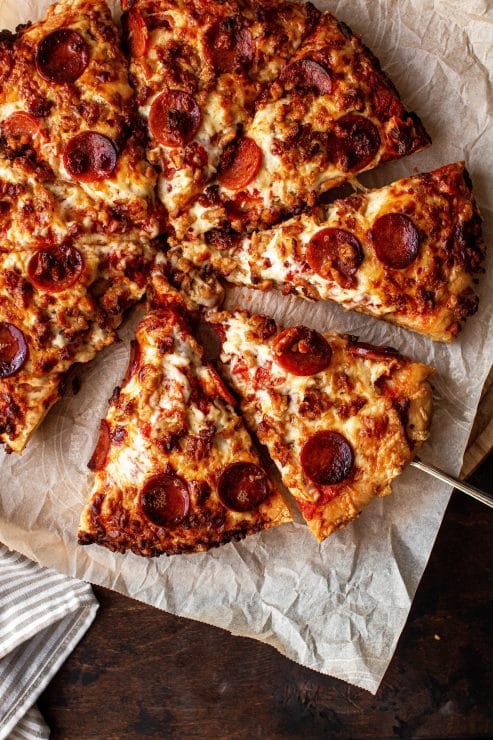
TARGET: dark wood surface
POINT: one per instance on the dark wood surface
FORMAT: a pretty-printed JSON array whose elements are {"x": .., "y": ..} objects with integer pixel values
[{"x": 142, "y": 673}]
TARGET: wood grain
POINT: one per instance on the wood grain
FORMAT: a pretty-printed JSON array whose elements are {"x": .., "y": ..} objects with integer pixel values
[{"x": 142, "y": 673}]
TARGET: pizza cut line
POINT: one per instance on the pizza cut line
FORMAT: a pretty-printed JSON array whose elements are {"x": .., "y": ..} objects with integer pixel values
[
  {"x": 408, "y": 253},
  {"x": 339, "y": 417},
  {"x": 175, "y": 468}
]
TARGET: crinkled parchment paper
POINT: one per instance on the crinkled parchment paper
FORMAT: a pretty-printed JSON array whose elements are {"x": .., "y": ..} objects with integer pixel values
[{"x": 338, "y": 607}]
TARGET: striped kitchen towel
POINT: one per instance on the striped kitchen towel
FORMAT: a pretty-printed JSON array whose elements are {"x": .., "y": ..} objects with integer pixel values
[{"x": 43, "y": 615}]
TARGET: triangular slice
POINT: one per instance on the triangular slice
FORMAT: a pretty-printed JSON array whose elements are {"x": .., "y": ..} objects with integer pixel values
[
  {"x": 175, "y": 468},
  {"x": 68, "y": 113},
  {"x": 331, "y": 114},
  {"x": 198, "y": 69},
  {"x": 407, "y": 253},
  {"x": 339, "y": 417}
]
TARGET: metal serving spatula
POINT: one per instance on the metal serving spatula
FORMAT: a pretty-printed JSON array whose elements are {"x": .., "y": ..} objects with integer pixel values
[{"x": 485, "y": 498}]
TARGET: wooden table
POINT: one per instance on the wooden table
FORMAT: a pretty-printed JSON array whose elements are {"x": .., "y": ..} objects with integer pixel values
[{"x": 142, "y": 673}]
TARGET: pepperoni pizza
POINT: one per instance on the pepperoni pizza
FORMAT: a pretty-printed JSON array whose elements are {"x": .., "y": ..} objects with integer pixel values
[
  {"x": 198, "y": 68},
  {"x": 67, "y": 114},
  {"x": 407, "y": 253},
  {"x": 76, "y": 205},
  {"x": 175, "y": 468},
  {"x": 339, "y": 417},
  {"x": 255, "y": 107}
]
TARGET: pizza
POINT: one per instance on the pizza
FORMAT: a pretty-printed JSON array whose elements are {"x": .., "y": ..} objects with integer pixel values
[
  {"x": 58, "y": 306},
  {"x": 409, "y": 253},
  {"x": 67, "y": 115},
  {"x": 77, "y": 208},
  {"x": 175, "y": 468},
  {"x": 198, "y": 69},
  {"x": 340, "y": 418},
  {"x": 255, "y": 107}
]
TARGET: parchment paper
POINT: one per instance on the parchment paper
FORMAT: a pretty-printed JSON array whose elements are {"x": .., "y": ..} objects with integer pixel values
[{"x": 338, "y": 607}]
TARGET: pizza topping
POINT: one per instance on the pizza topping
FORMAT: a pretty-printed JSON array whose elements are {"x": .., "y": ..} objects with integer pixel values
[
  {"x": 240, "y": 163},
  {"x": 174, "y": 118},
  {"x": 372, "y": 351},
  {"x": 307, "y": 75},
  {"x": 396, "y": 240},
  {"x": 13, "y": 349},
  {"x": 62, "y": 56},
  {"x": 335, "y": 250},
  {"x": 20, "y": 125},
  {"x": 358, "y": 142},
  {"x": 243, "y": 486},
  {"x": 302, "y": 351},
  {"x": 165, "y": 500},
  {"x": 55, "y": 269},
  {"x": 230, "y": 46},
  {"x": 137, "y": 32},
  {"x": 133, "y": 361},
  {"x": 90, "y": 156},
  {"x": 98, "y": 457},
  {"x": 327, "y": 458}
]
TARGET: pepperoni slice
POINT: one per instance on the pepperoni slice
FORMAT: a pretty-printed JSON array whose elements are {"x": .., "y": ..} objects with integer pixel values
[
  {"x": 90, "y": 156},
  {"x": 13, "y": 349},
  {"x": 174, "y": 118},
  {"x": 336, "y": 251},
  {"x": 240, "y": 162},
  {"x": 327, "y": 458},
  {"x": 307, "y": 75},
  {"x": 98, "y": 457},
  {"x": 230, "y": 46},
  {"x": 372, "y": 351},
  {"x": 62, "y": 56},
  {"x": 137, "y": 33},
  {"x": 133, "y": 361},
  {"x": 243, "y": 486},
  {"x": 20, "y": 125},
  {"x": 396, "y": 240},
  {"x": 302, "y": 351},
  {"x": 165, "y": 500},
  {"x": 358, "y": 142},
  {"x": 55, "y": 269}
]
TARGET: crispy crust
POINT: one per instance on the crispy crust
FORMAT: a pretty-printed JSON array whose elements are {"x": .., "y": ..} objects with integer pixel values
[
  {"x": 433, "y": 295},
  {"x": 174, "y": 416},
  {"x": 379, "y": 401}
]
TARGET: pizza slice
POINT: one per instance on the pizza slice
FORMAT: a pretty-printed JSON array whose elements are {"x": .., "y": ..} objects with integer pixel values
[
  {"x": 175, "y": 468},
  {"x": 330, "y": 114},
  {"x": 68, "y": 115},
  {"x": 408, "y": 253},
  {"x": 59, "y": 305},
  {"x": 198, "y": 69},
  {"x": 340, "y": 418}
]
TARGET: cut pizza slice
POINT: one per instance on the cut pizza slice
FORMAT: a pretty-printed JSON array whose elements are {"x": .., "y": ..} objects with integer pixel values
[
  {"x": 407, "y": 253},
  {"x": 67, "y": 113},
  {"x": 340, "y": 418},
  {"x": 175, "y": 468},
  {"x": 198, "y": 69},
  {"x": 59, "y": 305},
  {"x": 331, "y": 114}
]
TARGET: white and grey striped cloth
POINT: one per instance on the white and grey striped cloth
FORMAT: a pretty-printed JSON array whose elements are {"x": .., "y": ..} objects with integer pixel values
[{"x": 43, "y": 615}]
